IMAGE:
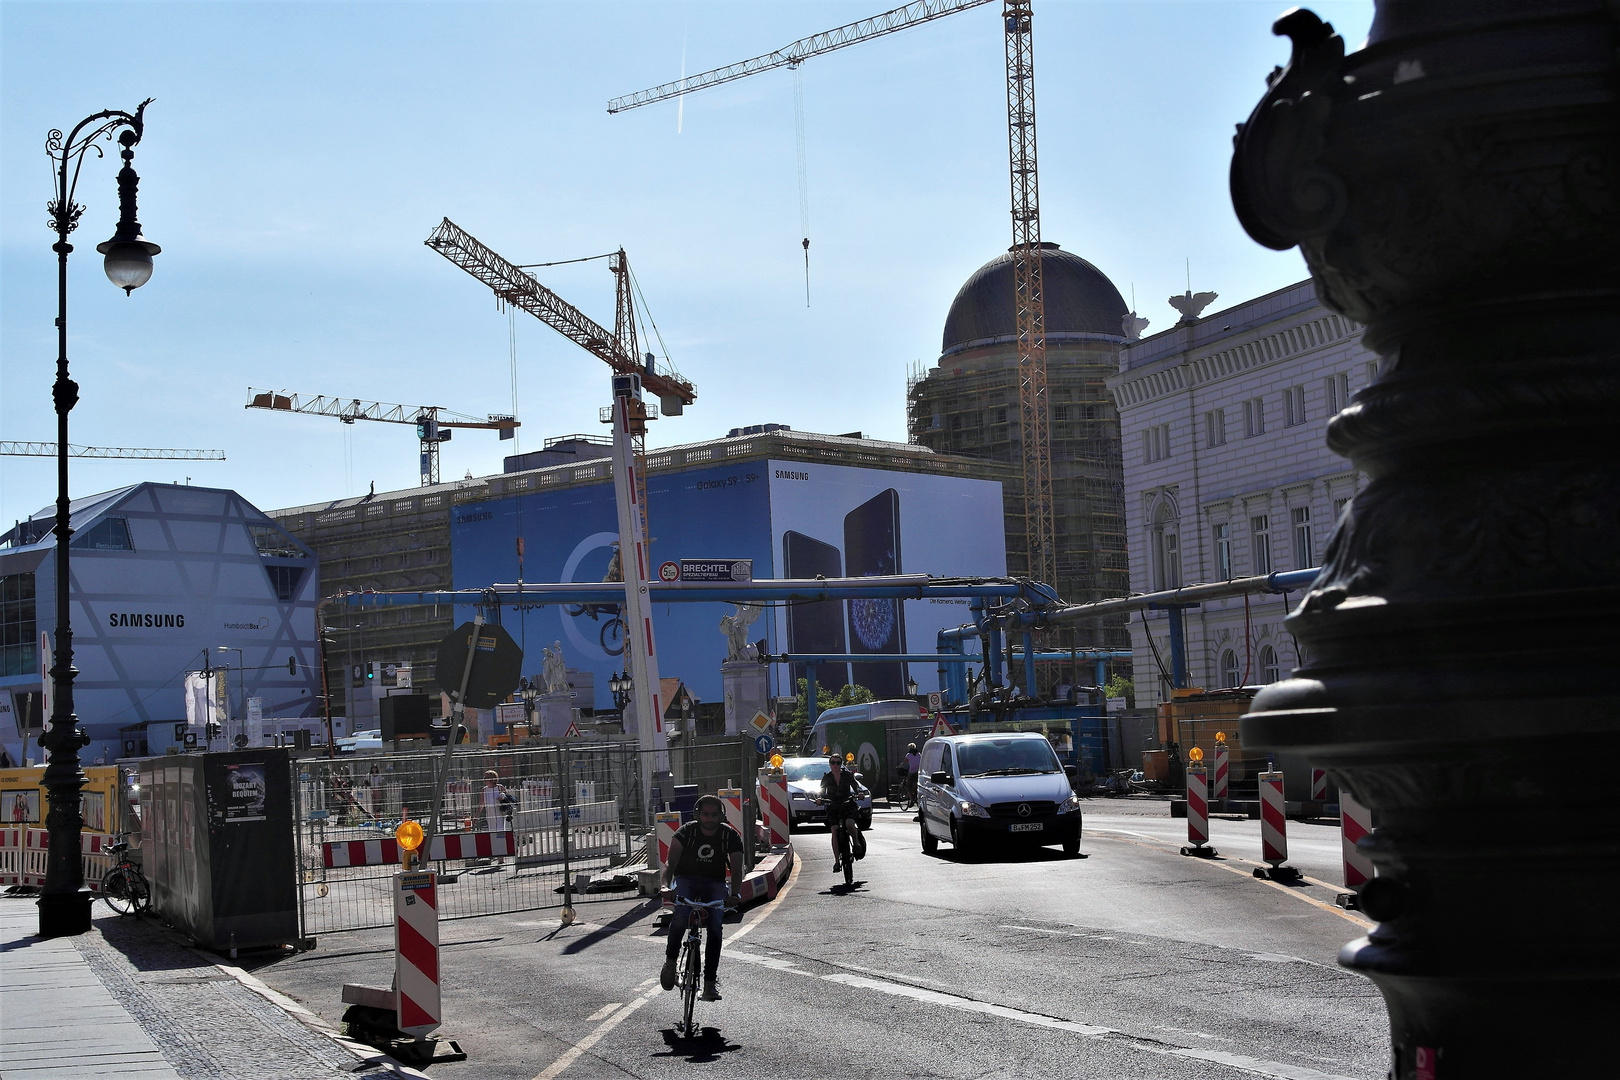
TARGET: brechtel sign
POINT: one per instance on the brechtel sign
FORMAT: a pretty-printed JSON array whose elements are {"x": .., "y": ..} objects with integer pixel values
[{"x": 717, "y": 570}]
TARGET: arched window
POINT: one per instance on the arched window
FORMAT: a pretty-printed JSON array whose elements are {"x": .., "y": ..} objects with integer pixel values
[
  {"x": 1230, "y": 674},
  {"x": 1165, "y": 542},
  {"x": 1270, "y": 671}
]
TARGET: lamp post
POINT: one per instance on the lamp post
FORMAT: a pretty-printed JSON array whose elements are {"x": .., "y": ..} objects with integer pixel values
[
  {"x": 241, "y": 693},
  {"x": 64, "y": 903},
  {"x": 620, "y": 686},
  {"x": 911, "y": 686}
]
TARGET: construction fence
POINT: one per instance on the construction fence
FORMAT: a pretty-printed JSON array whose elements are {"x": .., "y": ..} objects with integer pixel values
[{"x": 555, "y": 811}]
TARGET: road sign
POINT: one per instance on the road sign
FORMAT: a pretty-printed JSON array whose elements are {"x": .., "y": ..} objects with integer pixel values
[
  {"x": 497, "y": 664},
  {"x": 716, "y": 570},
  {"x": 940, "y": 727},
  {"x": 764, "y": 743},
  {"x": 936, "y": 701},
  {"x": 670, "y": 571},
  {"x": 761, "y": 722},
  {"x": 573, "y": 730}
]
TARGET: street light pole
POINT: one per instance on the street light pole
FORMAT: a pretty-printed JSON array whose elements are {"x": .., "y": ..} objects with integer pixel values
[{"x": 64, "y": 903}]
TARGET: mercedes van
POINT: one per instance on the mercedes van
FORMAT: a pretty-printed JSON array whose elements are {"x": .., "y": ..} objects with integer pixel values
[{"x": 985, "y": 792}]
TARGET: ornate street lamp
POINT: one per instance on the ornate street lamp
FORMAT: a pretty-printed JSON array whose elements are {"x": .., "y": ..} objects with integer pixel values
[
  {"x": 64, "y": 904},
  {"x": 1451, "y": 186},
  {"x": 620, "y": 686}
]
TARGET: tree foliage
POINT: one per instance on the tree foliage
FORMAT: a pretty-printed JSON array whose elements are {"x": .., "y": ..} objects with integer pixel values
[{"x": 797, "y": 726}]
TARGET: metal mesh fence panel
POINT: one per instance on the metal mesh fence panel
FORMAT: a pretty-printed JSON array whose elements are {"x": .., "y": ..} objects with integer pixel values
[{"x": 552, "y": 810}]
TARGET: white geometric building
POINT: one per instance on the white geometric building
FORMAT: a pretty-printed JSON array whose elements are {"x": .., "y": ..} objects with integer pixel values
[
  {"x": 1227, "y": 474},
  {"x": 166, "y": 579}
]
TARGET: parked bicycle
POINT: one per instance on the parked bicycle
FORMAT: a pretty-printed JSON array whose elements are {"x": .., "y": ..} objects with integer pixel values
[
  {"x": 689, "y": 975},
  {"x": 124, "y": 887}
]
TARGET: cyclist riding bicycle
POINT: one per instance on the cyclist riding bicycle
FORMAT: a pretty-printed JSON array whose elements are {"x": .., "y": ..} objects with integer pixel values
[
  {"x": 842, "y": 794},
  {"x": 700, "y": 855}
]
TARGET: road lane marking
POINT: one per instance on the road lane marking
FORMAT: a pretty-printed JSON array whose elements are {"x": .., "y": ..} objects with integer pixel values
[
  {"x": 573, "y": 1053},
  {"x": 1242, "y": 1062},
  {"x": 604, "y": 1012}
]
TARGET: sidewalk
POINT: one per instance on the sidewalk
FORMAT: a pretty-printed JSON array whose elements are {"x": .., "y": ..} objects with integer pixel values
[{"x": 127, "y": 1000}]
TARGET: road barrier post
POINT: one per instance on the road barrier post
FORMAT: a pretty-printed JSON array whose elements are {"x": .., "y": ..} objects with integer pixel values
[
  {"x": 1355, "y": 823},
  {"x": 1197, "y": 807},
  {"x": 773, "y": 803},
  {"x": 1218, "y": 792},
  {"x": 1274, "y": 830}
]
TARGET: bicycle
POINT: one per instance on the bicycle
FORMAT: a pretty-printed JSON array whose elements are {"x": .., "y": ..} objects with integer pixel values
[
  {"x": 124, "y": 887},
  {"x": 690, "y": 973},
  {"x": 845, "y": 857}
]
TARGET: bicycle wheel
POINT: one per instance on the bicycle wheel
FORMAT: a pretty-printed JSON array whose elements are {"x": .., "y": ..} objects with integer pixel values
[
  {"x": 118, "y": 889},
  {"x": 691, "y": 972},
  {"x": 848, "y": 856}
]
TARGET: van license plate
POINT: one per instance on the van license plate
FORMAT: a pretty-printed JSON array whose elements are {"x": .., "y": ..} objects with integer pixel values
[{"x": 1026, "y": 826}]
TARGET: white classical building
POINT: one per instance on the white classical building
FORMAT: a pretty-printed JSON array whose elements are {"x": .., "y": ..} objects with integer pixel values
[{"x": 1227, "y": 474}]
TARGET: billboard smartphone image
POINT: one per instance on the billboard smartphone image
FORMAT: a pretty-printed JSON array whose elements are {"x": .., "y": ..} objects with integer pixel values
[
  {"x": 871, "y": 549},
  {"x": 880, "y": 521},
  {"x": 816, "y": 626}
]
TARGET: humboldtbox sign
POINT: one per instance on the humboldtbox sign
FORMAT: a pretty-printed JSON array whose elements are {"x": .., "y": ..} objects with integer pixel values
[{"x": 717, "y": 569}]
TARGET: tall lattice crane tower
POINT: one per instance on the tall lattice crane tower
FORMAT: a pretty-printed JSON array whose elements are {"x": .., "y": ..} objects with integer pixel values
[
  {"x": 1019, "y": 44},
  {"x": 629, "y": 414}
]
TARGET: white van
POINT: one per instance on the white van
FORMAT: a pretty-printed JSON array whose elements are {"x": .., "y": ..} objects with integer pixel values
[{"x": 988, "y": 791}]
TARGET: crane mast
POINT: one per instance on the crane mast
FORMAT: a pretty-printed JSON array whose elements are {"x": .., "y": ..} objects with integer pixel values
[
  {"x": 629, "y": 413},
  {"x": 1036, "y": 446}
]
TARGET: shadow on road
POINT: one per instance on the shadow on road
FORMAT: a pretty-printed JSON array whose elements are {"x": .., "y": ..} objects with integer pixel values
[
  {"x": 707, "y": 1047},
  {"x": 623, "y": 922}
]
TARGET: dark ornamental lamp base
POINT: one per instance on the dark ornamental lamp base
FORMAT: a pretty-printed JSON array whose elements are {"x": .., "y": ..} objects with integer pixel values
[
  {"x": 65, "y": 914},
  {"x": 1452, "y": 187}
]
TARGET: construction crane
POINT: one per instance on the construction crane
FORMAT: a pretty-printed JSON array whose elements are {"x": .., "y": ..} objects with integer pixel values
[
  {"x": 434, "y": 423},
  {"x": 629, "y": 414},
  {"x": 48, "y": 449},
  {"x": 1040, "y": 528}
]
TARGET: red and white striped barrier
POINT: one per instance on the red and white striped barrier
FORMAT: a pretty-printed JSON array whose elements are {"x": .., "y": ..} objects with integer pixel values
[
  {"x": 732, "y": 798},
  {"x": 416, "y": 952},
  {"x": 1218, "y": 791},
  {"x": 336, "y": 854},
  {"x": 1274, "y": 829},
  {"x": 1197, "y": 813},
  {"x": 773, "y": 804},
  {"x": 1356, "y": 822},
  {"x": 664, "y": 827},
  {"x": 25, "y": 853},
  {"x": 1319, "y": 785}
]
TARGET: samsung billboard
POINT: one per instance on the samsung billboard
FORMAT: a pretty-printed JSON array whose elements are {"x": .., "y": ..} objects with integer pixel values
[{"x": 791, "y": 518}]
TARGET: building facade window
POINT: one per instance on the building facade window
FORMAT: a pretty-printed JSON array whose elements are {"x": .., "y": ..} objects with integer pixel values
[
  {"x": 1215, "y": 427},
  {"x": 1260, "y": 543},
  {"x": 108, "y": 534},
  {"x": 1336, "y": 388},
  {"x": 1254, "y": 417},
  {"x": 18, "y": 633},
  {"x": 1270, "y": 670},
  {"x": 1372, "y": 371},
  {"x": 1294, "y": 406},
  {"x": 1304, "y": 550},
  {"x": 1156, "y": 442},
  {"x": 1230, "y": 675},
  {"x": 1339, "y": 508},
  {"x": 1166, "y": 548},
  {"x": 1223, "y": 551}
]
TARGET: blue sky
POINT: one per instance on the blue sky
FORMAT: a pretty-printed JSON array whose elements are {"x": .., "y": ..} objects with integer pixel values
[{"x": 297, "y": 155}]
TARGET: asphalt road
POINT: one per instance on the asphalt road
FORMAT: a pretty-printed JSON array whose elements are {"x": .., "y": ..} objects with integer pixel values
[{"x": 1131, "y": 962}]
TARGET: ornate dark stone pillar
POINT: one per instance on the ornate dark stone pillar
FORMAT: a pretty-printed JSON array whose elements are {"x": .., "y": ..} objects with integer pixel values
[{"x": 1455, "y": 187}]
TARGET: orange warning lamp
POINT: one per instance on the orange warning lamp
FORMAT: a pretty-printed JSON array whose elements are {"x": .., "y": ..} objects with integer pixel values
[
  {"x": 776, "y": 761},
  {"x": 409, "y": 835},
  {"x": 849, "y": 759},
  {"x": 1195, "y": 755},
  {"x": 1220, "y": 736}
]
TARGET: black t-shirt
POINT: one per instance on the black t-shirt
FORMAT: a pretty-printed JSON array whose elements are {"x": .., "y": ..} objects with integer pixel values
[
  {"x": 707, "y": 856},
  {"x": 844, "y": 793}
]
